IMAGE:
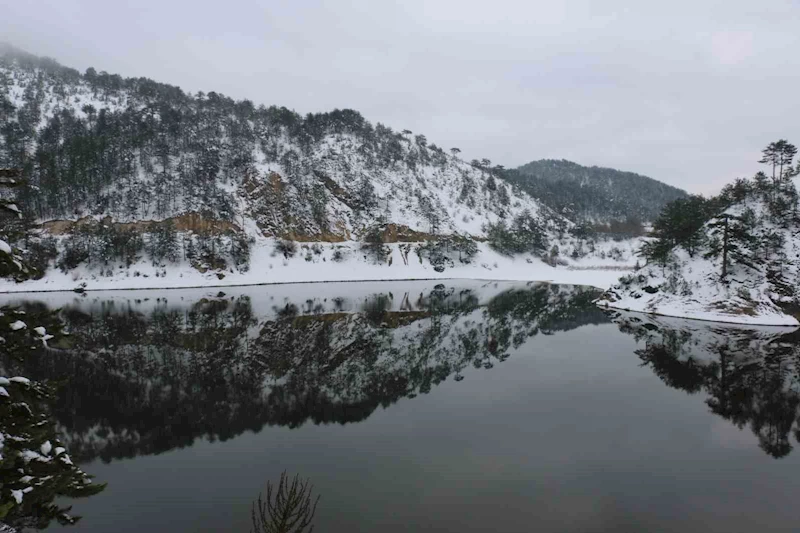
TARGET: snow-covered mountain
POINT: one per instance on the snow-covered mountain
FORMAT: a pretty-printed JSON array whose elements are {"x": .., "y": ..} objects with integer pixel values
[
  {"x": 135, "y": 150},
  {"x": 740, "y": 266},
  {"x": 128, "y": 179}
]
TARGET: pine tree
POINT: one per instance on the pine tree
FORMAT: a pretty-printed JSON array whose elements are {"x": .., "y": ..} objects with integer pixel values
[
  {"x": 163, "y": 242},
  {"x": 680, "y": 222},
  {"x": 12, "y": 228},
  {"x": 657, "y": 251},
  {"x": 732, "y": 241},
  {"x": 29, "y": 485},
  {"x": 779, "y": 155}
]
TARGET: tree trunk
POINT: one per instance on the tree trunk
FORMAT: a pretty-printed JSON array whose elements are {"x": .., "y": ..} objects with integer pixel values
[{"x": 725, "y": 250}]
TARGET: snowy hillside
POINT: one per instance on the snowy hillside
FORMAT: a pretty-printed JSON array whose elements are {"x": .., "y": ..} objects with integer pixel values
[
  {"x": 741, "y": 266},
  {"x": 126, "y": 180},
  {"x": 136, "y": 150}
]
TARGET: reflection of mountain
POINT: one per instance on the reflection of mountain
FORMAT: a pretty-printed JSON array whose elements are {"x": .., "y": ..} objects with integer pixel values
[
  {"x": 146, "y": 382},
  {"x": 750, "y": 375}
]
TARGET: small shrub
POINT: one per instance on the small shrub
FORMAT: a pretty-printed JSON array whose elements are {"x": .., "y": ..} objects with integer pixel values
[
  {"x": 286, "y": 247},
  {"x": 743, "y": 293},
  {"x": 374, "y": 247}
]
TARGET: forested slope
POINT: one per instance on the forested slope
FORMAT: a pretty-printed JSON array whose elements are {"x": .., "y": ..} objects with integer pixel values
[
  {"x": 134, "y": 149},
  {"x": 593, "y": 194},
  {"x": 127, "y": 177}
]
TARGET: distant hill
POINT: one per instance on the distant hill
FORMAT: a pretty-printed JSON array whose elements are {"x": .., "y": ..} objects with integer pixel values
[{"x": 593, "y": 194}]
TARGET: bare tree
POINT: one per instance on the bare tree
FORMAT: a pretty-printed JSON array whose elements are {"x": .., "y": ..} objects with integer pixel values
[{"x": 286, "y": 510}]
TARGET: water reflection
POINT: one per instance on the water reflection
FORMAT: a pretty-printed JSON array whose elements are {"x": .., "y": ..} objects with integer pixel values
[
  {"x": 150, "y": 376},
  {"x": 749, "y": 375},
  {"x": 141, "y": 375}
]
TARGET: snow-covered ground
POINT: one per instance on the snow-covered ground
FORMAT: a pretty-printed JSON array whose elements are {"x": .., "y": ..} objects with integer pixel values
[
  {"x": 755, "y": 291},
  {"x": 268, "y": 266},
  {"x": 600, "y": 254},
  {"x": 706, "y": 301}
]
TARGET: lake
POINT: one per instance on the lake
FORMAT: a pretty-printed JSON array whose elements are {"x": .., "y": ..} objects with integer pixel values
[{"x": 418, "y": 406}]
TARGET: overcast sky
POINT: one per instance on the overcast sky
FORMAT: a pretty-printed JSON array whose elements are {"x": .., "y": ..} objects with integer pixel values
[{"x": 687, "y": 92}]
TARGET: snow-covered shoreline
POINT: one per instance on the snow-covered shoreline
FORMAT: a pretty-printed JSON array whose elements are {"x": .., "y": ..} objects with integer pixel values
[
  {"x": 701, "y": 315},
  {"x": 307, "y": 266},
  {"x": 315, "y": 263}
]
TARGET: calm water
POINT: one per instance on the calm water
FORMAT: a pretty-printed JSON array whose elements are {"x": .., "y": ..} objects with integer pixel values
[{"x": 411, "y": 406}]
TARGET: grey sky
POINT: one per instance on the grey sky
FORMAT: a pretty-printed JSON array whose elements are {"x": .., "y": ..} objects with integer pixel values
[{"x": 687, "y": 92}]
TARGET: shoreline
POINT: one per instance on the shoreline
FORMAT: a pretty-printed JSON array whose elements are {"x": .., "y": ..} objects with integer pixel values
[
  {"x": 299, "y": 282},
  {"x": 716, "y": 318},
  {"x": 266, "y": 267}
]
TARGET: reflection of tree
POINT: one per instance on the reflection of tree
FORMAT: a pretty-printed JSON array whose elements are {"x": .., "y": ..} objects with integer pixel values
[
  {"x": 146, "y": 382},
  {"x": 140, "y": 383},
  {"x": 662, "y": 355},
  {"x": 750, "y": 376}
]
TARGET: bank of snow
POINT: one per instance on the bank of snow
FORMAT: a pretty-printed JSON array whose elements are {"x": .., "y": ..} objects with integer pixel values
[
  {"x": 691, "y": 289},
  {"x": 314, "y": 263},
  {"x": 759, "y": 286},
  {"x": 707, "y": 303}
]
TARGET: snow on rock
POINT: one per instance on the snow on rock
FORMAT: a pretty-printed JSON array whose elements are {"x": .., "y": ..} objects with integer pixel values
[
  {"x": 4, "y": 247},
  {"x": 46, "y": 448},
  {"x": 21, "y": 380},
  {"x": 19, "y": 324},
  {"x": 43, "y": 335},
  {"x": 3, "y": 392},
  {"x": 4, "y": 381}
]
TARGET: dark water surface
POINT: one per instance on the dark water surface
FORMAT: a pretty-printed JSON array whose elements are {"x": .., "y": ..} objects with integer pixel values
[{"x": 415, "y": 407}]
